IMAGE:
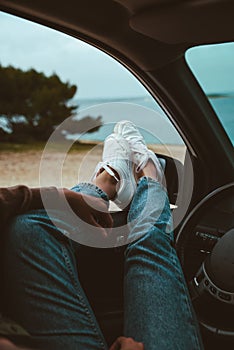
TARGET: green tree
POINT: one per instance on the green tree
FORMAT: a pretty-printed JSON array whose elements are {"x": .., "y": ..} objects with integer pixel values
[{"x": 41, "y": 100}]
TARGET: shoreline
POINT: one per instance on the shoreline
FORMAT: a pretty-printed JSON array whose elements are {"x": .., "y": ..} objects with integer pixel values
[{"x": 61, "y": 170}]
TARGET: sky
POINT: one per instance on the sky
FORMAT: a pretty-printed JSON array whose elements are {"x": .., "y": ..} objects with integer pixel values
[
  {"x": 26, "y": 45},
  {"x": 213, "y": 66}
]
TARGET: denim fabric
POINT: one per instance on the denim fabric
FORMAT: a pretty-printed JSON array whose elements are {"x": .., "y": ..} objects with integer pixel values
[
  {"x": 44, "y": 295},
  {"x": 42, "y": 289},
  {"x": 157, "y": 306}
]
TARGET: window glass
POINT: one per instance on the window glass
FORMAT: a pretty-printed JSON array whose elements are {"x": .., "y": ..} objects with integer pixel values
[
  {"x": 105, "y": 93},
  {"x": 213, "y": 66}
]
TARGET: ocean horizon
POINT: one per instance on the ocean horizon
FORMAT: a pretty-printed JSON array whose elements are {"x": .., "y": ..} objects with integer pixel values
[
  {"x": 108, "y": 109},
  {"x": 144, "y": 111}
]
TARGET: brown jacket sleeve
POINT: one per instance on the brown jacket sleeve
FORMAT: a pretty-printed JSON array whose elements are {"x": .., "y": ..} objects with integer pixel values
[{"x": 19, "y": 199}]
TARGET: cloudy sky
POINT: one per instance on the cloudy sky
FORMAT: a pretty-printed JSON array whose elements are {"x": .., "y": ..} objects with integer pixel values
[{"x": 27, "y": 45}]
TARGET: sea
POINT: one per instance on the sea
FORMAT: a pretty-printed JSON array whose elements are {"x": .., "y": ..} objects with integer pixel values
[
  {"x": 145, "y": 112},
  {"x": 147, "y": 115}
]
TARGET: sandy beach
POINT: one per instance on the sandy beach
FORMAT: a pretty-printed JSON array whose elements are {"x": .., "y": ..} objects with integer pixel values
[{"x": 54, "y": 168}]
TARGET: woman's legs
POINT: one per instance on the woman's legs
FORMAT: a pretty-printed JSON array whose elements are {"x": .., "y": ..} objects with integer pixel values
[{"x": 158, "y": 310}]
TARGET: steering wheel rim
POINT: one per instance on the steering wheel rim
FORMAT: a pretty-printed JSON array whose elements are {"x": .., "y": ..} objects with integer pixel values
[{"x": 187, "y": 230}]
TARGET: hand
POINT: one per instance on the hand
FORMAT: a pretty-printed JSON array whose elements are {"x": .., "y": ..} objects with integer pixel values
[
  {"x": 123, "y": 343},
  {"x": 5, "y": 344},
  {"x": 90, "y": 209}
]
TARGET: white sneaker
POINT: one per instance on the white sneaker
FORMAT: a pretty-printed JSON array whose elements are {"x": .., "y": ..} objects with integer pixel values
[
  {"x": 117, "y": 156},
  {"x": 140, "y": 152}
]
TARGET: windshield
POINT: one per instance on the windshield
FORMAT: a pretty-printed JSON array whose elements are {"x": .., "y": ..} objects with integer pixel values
[{"x": 213, "y": 66}]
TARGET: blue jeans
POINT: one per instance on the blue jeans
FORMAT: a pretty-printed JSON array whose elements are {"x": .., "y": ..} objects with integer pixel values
[{"x": 44, "y": 294}]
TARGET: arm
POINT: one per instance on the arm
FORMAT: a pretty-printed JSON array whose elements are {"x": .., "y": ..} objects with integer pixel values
[{"x": 19, "y": 199}]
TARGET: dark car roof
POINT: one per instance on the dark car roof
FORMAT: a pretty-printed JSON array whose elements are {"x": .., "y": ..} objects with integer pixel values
[{"x": 150, "y": 33}]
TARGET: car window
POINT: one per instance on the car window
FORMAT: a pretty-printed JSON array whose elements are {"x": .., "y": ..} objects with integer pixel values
[
  {"x": 213, "y": 66},
  {"x": 47, "y": 78}
]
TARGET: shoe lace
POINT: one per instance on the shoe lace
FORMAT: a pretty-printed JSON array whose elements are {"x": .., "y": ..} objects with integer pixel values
[{"x": 139, "y": 148}]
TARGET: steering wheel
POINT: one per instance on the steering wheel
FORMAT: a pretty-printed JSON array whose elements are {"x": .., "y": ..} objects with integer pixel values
[{"x": 211, "y": 282}]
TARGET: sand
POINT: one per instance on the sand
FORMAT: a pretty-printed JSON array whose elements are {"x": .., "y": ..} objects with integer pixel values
[{"x": 57, "y": 169}]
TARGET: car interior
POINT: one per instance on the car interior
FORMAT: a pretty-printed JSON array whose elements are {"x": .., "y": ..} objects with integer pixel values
[{"x": 150, "y": 39}]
